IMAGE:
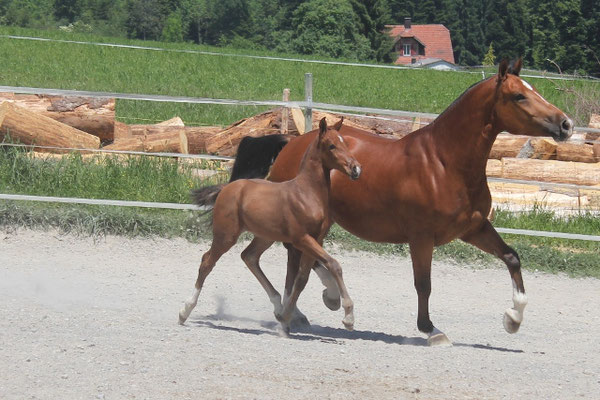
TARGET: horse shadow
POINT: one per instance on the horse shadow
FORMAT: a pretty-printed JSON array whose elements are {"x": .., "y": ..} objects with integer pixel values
[{"x": 324, "y": 334}]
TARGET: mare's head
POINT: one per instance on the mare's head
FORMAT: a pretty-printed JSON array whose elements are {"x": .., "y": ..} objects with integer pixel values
[
  {"x": 334, "y": 152},
  {"x": 521, "y": 110}
]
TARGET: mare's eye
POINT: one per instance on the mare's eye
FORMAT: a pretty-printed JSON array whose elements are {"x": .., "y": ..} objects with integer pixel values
[
  {"x": 519, "y": 97},
  {"x": 332, "y": 147}
]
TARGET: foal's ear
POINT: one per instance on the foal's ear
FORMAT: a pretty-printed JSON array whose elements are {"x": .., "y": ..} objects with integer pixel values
[
  {"x": 322, "y": 127},
  {"x": 515, "y": 68},
  {"x": 502, "y": 70},
  {"x": 338, "y": 125}
]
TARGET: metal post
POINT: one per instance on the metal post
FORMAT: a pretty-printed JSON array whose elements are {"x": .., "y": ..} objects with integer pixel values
[{"x": 308, "y": 96}]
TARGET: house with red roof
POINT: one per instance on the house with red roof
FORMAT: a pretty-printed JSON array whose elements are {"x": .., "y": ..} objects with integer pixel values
[{"x": 422, "y": 45}]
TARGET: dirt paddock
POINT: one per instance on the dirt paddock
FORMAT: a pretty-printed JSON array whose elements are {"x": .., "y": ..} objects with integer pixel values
[{"x": 85, "y": 319}]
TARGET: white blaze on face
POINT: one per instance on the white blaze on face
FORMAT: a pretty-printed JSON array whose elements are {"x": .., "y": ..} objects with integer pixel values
[
  {"x": 528, "y": 86},
  {"x": 341, "y": 138}
]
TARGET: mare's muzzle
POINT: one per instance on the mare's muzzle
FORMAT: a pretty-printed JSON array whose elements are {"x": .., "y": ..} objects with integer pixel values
[{"x": 563, "y": 131}]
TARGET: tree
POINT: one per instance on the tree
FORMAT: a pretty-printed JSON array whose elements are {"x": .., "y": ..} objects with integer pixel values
[
  {"x": 507, "y": 27},
  {"x": 173, "y": 29},
  {"x": 143, "y": 20},
  {"x": 490, "y": 58},
  {"x": 329, "y": 28}
]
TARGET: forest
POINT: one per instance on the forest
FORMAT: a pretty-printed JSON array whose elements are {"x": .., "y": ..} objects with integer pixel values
[{"x": 552, "y": 35}]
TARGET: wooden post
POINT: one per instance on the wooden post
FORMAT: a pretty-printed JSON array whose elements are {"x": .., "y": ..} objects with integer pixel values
[
  {"x": 416, "y": 124},
  {"x": 308, "y": 96},
  {"x": 284, "y": 112}
]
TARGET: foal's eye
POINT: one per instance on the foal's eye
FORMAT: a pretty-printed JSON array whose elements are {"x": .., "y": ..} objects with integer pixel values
[
  {"x": 519, "y": 97},
  {"x": 332, "y": 147}
]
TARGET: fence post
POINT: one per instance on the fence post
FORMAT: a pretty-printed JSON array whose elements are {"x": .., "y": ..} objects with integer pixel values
[
  {"x": 284, "y": 112},
  {"x": 308, "y": 96}
]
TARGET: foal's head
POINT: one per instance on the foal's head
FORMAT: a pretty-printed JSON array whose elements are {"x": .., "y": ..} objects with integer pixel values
[
  {"x": 333, "y": 150},
  {"x": 521, "y": 110}
]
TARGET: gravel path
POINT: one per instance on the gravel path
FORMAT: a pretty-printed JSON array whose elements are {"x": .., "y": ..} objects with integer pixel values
[{"x": 85, "y": 319}]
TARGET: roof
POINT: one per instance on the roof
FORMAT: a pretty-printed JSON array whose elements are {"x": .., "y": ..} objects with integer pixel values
[{"x": 435, "y": 38}]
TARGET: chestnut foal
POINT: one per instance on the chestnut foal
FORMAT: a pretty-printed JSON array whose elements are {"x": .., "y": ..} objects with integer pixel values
[{"x": 294, "y": 212}]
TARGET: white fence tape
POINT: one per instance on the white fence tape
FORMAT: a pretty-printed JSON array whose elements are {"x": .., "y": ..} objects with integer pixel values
[{"x": 176, "y": 206}]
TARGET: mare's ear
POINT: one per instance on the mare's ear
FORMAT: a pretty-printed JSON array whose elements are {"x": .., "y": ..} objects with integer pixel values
[
  {"x": 502, "y": 70},
  {"x": 322, "y": 127},
  {"x": 338, "y": 125},
  {"x": 515, "y": 68}
]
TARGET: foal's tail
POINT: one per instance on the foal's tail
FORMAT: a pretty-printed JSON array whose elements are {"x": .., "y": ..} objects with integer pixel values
[
  {"x": 253, "y": 160},
  {"x": 207, "y": 195}
]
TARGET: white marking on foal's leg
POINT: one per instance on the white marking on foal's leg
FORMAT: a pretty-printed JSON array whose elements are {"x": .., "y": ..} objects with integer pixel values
[
  {"x": 188, "y": 307},
  {"x": 331, "y": 294},
  {"x": 514, "y": 316}
]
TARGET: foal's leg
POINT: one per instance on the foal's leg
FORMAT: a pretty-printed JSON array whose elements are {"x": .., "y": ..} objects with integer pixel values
[
  {"x": 421, "y": 252},
  {"x": 251, "y": 255},
  {"x": 220, "y": 245},
  {"x": 289, "y": 302},
  {"x": 308, "y": 245},
  {"x": 488, "y": 240}
]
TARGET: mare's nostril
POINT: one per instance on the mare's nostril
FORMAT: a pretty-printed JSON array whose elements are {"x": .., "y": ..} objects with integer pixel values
[{"x": 567, "y": 125}]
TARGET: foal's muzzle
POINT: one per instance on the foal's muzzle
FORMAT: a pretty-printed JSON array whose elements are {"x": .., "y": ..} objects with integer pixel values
[{"x": 355, "y": 172}]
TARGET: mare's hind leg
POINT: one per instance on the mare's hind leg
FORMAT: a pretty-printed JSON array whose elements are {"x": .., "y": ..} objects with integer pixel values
[
  {"x": 421, "y": 252},
  {"x": 251, "y": 256},
  {"x": 298, "y": 319},
  {"x": 219, "y": 246},
  {"x": 488, "y": 240}
]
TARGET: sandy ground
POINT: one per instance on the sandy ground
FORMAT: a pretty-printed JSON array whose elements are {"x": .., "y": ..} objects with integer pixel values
[{"x": 85, "y": 319}]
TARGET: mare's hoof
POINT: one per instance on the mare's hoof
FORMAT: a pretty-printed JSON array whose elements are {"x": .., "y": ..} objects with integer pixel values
[
  {"x": 511, "y": 324},
  {"x": 439, "y": 339},
  {"x": 334, "y": 303}
]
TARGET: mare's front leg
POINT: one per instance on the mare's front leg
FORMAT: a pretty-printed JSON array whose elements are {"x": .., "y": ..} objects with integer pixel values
[
  {"x": 421, "y": 252},
  {"x": 488, "y": 240}
]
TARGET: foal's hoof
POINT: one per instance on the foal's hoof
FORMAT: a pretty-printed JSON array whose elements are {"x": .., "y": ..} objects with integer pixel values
[
  {"x": 511, "y": 321},
  {"x": 333, "y": 303},
  {"x": 299, "y": 322},
  {"x": 182, "y": 319}
]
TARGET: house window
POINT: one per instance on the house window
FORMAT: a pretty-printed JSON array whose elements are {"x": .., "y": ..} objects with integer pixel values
[{"x": 406, "y": 49}]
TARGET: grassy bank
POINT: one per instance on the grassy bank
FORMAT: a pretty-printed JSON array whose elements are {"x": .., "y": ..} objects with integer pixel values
[
  {"x": 167, "y": 180},
  {"x": 84, "y": 67}
]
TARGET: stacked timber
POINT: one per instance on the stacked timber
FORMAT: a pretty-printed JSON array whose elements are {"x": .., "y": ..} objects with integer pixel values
[
  {"x": 92, "y": 115},
  {"x": 30, "y": 128}
]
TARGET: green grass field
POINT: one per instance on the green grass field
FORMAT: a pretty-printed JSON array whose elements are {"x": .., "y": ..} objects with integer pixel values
[{"x": 94, "y": 68}]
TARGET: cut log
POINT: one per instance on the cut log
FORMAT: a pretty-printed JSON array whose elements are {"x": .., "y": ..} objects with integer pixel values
[
  {"x": 538, "y": 148},
  {"x": 122, "y": 131},
  {"x": 175, "y": 121},
  {"x": 91, "y": 115},
  {"x": 596, "y": 148},
  {"x": 197, "y": 136},
  {"x": 35, "y": 129},
  {"x": 299, "y": 121},
  {"x": 149, "y": 130},
  {"x": 494, "y": 168},
  {"x": 579, "y": 152},
  {"x": 225, "y": 142},
  {"x": 174, "y": 141},
  {"x": 507, "y": 145},
  {"x": 551, "y": 171}
]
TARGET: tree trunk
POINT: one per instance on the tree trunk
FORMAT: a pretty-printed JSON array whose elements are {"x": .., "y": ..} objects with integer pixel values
[
  {"x": 91, "y": 115},
  {"x": 197, "y": 137},
  {"x": 35, "y": 129},
  {"x": 172, "y": 141},
  {"x": 579, "y": 152},
  {"x": 551, "y": 171}
]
